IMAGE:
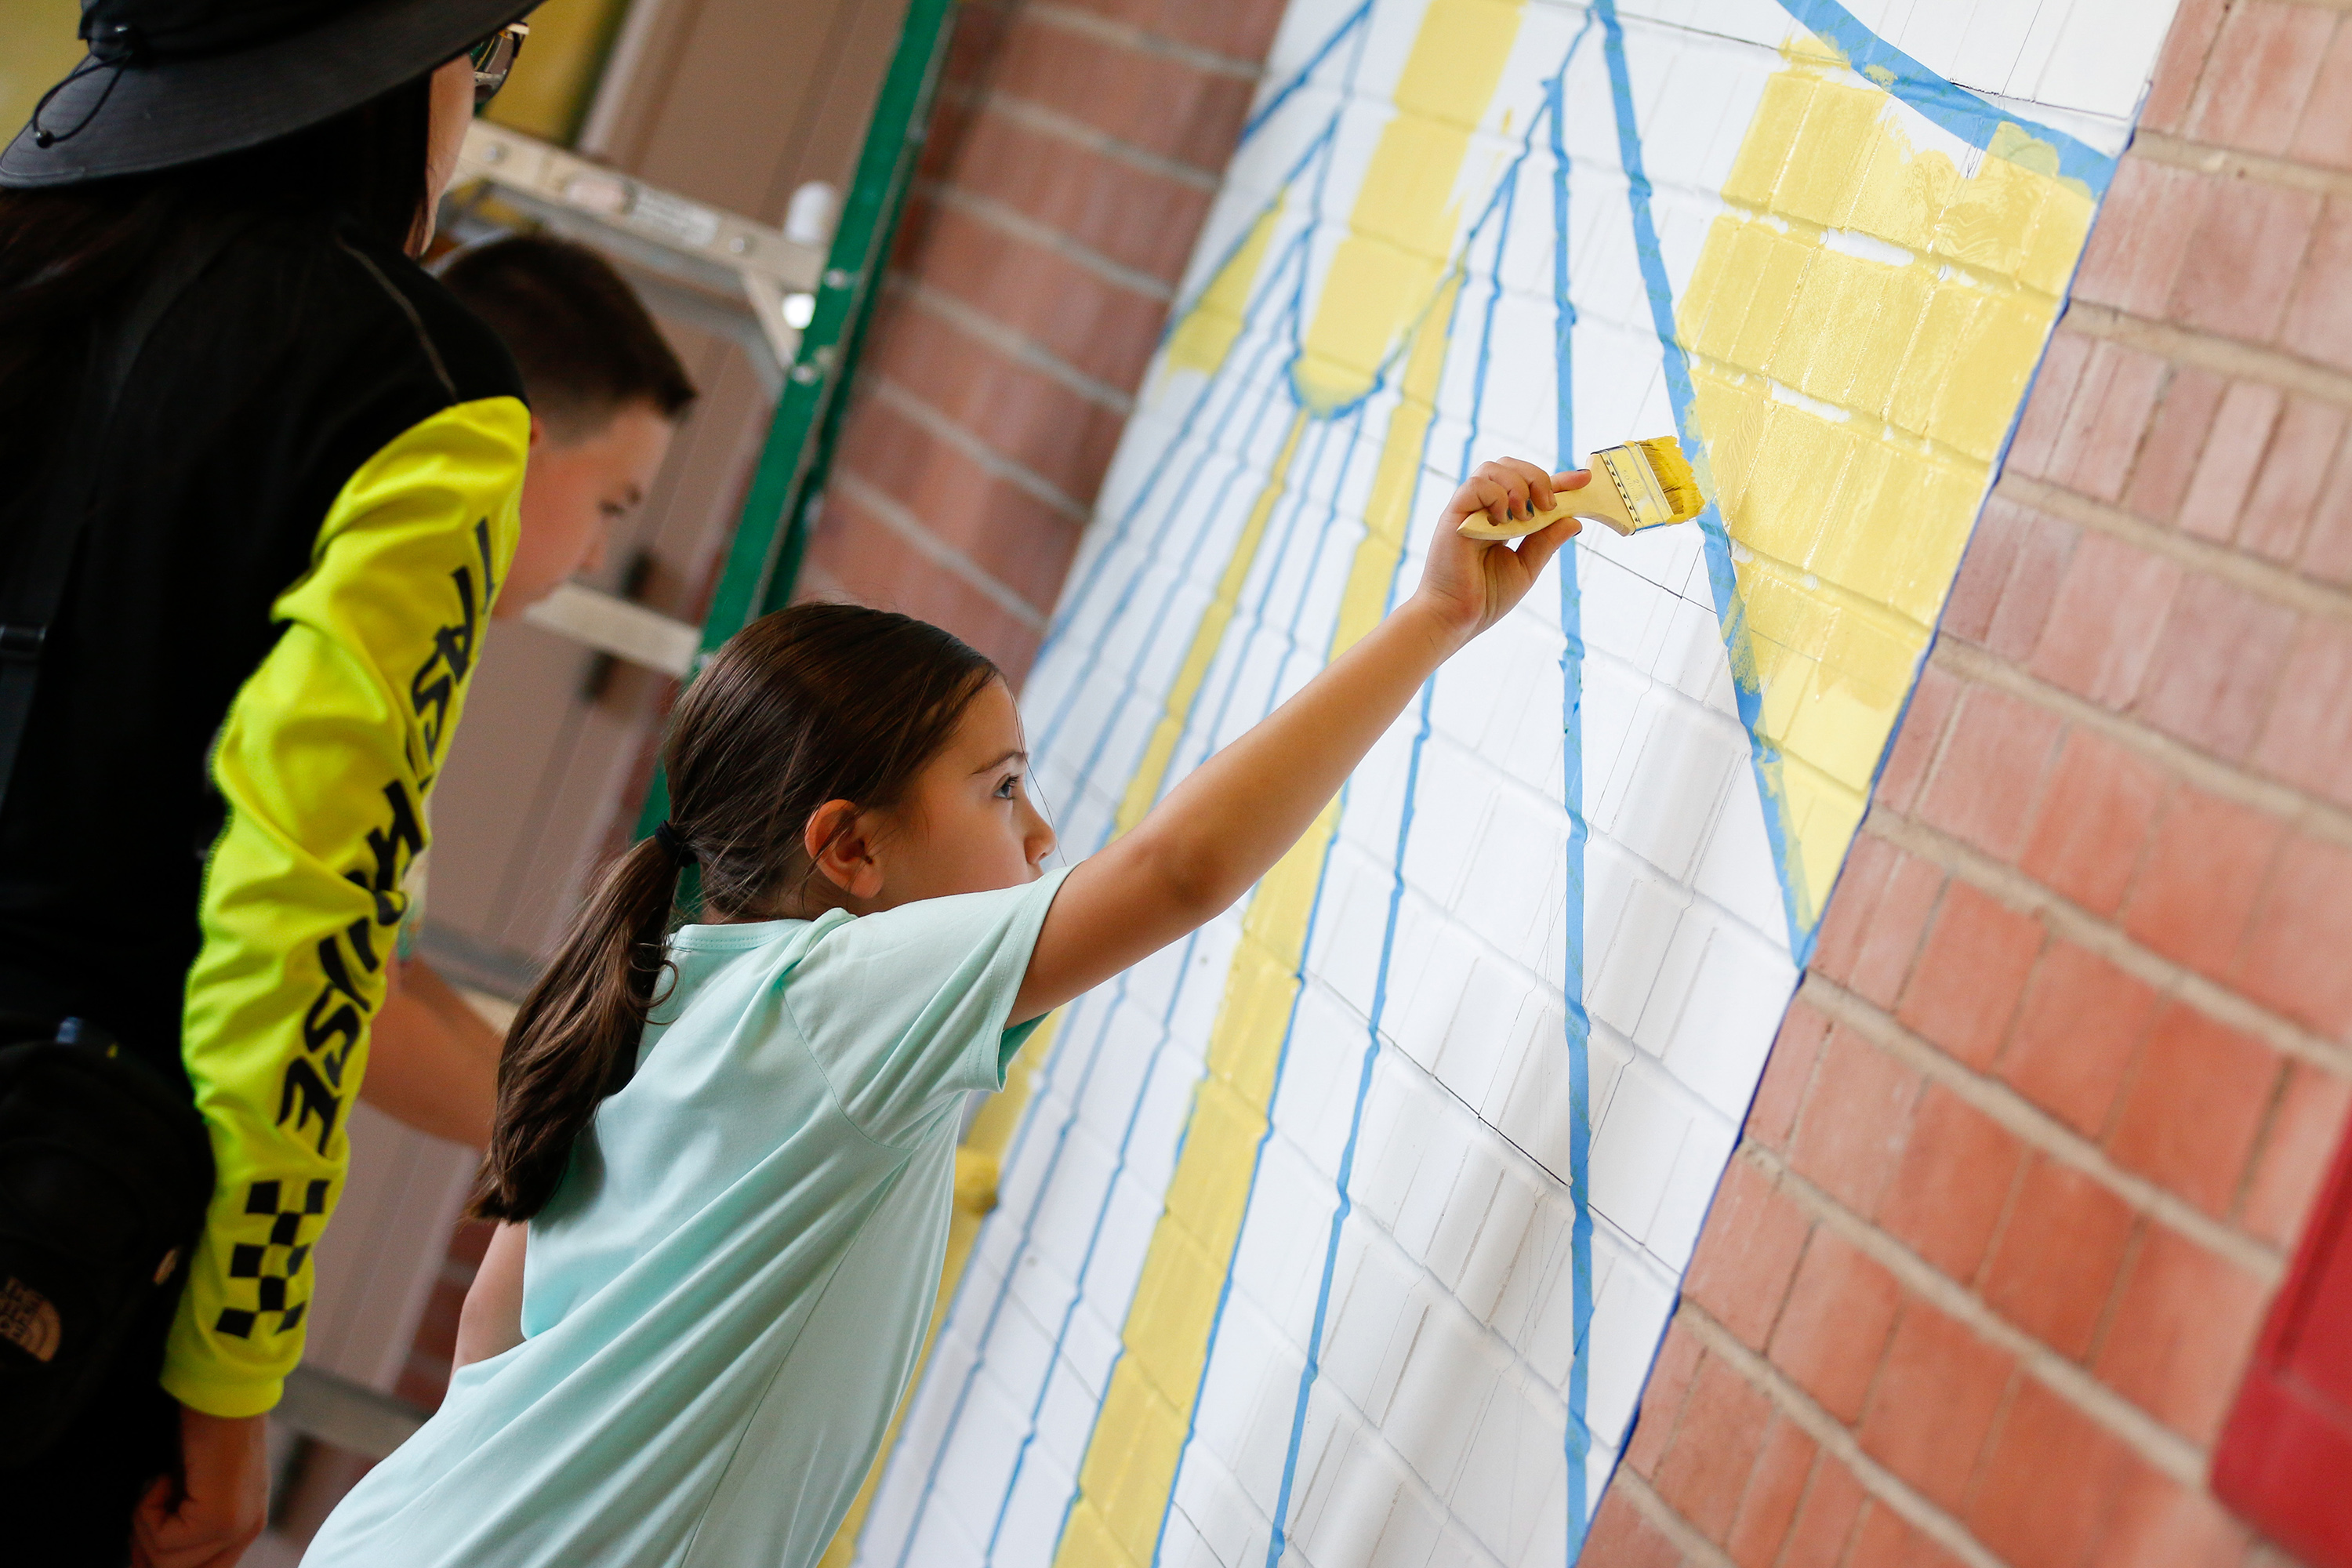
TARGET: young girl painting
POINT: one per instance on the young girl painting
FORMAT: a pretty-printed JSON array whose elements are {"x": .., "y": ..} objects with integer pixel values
[{"x": 725, "y": 1156}]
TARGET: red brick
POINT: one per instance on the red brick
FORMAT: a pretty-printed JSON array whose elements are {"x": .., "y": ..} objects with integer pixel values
[
  {"x": 1985, "y": 785},
  {"x": 1622, "y": 1538},
  {"x": 1968, "y": 980},
  {"x": 1704, "y": 1468},
  {"x": 2042, "y": 553},
  {"x": 1881, "y": 1539},
  {"x": 2109, "y": 612},
  {"x": 2203, "y": 871},
  {"x": 2326, "y": 134},
  {"x": 1662, "y": 1399},
  {"x": 2181, "y": 65},
  {"x": 1007, "y": 530},
  {"x": 1826, "y": 1518},
  {"x": 2308, "y": 739},
  {"x": 1935, "y": 1402},
  {"x": 2294, "y": 954},
  {"x": 2104, "y": 422},
  {"x": 2305, "y": 1127},
  {"x": 1849, "y": 1135},
  {"x": 2328, "y": 547},
  {"x": 862, "y": 558},
  {"x": 2183, "y": 1323},
  {"x": 2175, "y": 444},
  {"x": 1959, "y": 1167},
  {"x": 2302, "y": 449},
  {"x": 2055, "y": 1262},
  {"x": 2157, "y": 1522},
  {"x": 1101, "y": 328},
  {"x": 2189, "y": 1120},
  {"x": 1787, "y": 1073},
  {"x": 1239, "y": 31},
  {"x": 1155, "y": 102},
  {"x": 1748, "y": 1252},
  {"x": 2096, "y": 814},
  {"x": 2259, "y": 75},
  {"x": 2140, "y": 238},
  {"x": 1853, "y": 906},
  {"x": 1062, "y": 435},
  {"x": 1986, "y": 567},
  {"x": 1783, "y": 1464},
  {"x": 2233, "y": 451},
  {"x": 1830, "y": 1333},
  {"x": 1112, "y": 207},
  {"x": 2046, "y": 401},
  {"x": 2245, "y": 254},
  {"x": 2048, "y": 1480},
  {"x": 2216, "y": 665},
  {"x": 1922, "y": 727},
  {"x": 1892, "y": 943},
  {"x": 2076, "y": 1036},
  {"x": 2319, "y": 319}
]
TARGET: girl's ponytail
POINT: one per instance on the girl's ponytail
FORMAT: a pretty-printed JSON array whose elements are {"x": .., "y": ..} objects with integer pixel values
[
  {"x": 810, "y": 704},
  {"x": 575, "y": 1038}
]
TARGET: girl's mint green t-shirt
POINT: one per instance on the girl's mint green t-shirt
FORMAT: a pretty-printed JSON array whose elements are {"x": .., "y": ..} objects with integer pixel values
[{"x": 724, "y": 1302}]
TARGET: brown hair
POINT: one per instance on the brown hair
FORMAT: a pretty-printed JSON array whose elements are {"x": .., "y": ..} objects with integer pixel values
[
  {"x": 815, "y": 703},
  {"x": 577, "y": 331}
]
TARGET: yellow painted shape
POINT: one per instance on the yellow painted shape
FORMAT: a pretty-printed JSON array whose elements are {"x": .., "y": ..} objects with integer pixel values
[
  {"x": 1206, "y": 334},
  {"x": 1400, "y": 231},
  {"x": 1129, "y": 1469},
  {"x": 1143, "y": 786},
  {"x": 1851, "y": 398}
]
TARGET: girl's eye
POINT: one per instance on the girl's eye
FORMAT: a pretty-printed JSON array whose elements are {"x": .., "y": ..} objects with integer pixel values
[{"x": 1009, "y": 787}]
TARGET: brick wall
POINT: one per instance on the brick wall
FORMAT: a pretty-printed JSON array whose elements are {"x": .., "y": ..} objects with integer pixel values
[
  {"x": 1073, "y": 156},
  {"x": 2036, "y": 1137}
]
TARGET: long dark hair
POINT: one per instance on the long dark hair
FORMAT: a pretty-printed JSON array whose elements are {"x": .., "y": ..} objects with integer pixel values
[
  {"x": 815, "y": 703},
  {"x": 68, "y": 255}
]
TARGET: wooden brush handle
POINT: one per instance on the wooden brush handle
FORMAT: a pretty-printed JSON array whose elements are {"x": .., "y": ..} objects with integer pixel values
[{"x": 1598, "y": 501}]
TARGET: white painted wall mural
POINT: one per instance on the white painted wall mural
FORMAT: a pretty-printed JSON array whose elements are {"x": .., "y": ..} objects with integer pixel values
[{"x": 1345, "y": 1232}]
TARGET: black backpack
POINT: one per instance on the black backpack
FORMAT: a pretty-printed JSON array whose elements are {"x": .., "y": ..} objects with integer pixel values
[{"x": 105, "y": 1167}]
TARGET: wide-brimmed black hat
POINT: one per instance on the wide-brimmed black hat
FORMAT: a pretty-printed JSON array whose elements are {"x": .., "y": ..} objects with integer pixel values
[{"x": 174, "y": 82}]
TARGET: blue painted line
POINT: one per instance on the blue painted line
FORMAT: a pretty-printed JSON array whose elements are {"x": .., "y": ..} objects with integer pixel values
[
  {"x": 1578, "y": 1024},
  {"x": 1167, "y": 1021},
  {"x": 1500, "y": 205},
  {"x": 1347, "y": 25},
  {"x": 1973, "y": 119}
]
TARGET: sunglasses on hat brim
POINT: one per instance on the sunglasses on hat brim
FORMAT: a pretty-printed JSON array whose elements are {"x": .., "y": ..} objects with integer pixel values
[{"x": 493, "y": 58}]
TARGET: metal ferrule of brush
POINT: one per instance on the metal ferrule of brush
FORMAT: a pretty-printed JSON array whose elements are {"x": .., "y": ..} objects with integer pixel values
[{"x": 1636, "y": 487}]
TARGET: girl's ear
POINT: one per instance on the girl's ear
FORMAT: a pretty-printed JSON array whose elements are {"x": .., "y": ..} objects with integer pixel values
[{"x": 840, "y": 844}]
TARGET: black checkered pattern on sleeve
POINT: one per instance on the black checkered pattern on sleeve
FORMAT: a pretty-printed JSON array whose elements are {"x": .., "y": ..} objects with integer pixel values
[{"x": 272, "y": 1266}]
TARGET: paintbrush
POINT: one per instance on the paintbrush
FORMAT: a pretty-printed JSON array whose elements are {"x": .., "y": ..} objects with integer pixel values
[{"x": 1643, "y": 484}]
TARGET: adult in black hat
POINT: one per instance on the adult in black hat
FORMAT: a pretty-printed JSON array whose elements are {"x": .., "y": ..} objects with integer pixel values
[{"x": 259, "y": 491}]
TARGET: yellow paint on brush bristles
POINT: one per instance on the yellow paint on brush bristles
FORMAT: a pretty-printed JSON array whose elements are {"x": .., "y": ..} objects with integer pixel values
[{"x": 1641, "y": 484}]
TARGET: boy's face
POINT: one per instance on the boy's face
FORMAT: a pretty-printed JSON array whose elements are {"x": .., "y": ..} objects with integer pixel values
[{"x": 574, "y": 492}]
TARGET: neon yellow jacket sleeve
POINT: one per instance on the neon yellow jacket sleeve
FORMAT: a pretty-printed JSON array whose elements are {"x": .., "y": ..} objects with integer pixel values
[{"x": 323, "y": 762}]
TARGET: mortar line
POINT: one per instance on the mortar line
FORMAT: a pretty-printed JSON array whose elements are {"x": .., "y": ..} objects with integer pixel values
[
  {"x": 904, "y": 401},
  {"x": 1016, "y": 346},
  {"x": 1053, "y": 122},
  {"x": 1644, "y": 1499},
  {"x": 1831, "y": 1434},
  {"x": 2204, "y": 556},
  {"x": 2224, "y": 356},
  {"x": 893, "y": 515},
  {"x": 2039, "y": 1128},
  {"x": 1092, "y": 24},
  {"x": 1011, "y": 220},
  {"x": 2209, "y": 158},
  {"x": 2165, "y": 1449},
  {"x": 2076, "y": 924},
  {"x": 2298, "y": 809}
]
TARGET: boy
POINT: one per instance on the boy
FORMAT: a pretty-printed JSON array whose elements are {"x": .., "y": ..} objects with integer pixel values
[{"x": 606, "y": 393}]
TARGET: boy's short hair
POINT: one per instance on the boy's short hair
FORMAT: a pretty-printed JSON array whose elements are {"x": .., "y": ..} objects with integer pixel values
[{"x": 577, "y": 331}]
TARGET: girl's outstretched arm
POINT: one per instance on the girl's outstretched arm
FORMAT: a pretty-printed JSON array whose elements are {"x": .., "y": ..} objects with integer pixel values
[
  {"x": 1229, "y": 822},
  {"x": 491, "y": 1320}
]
